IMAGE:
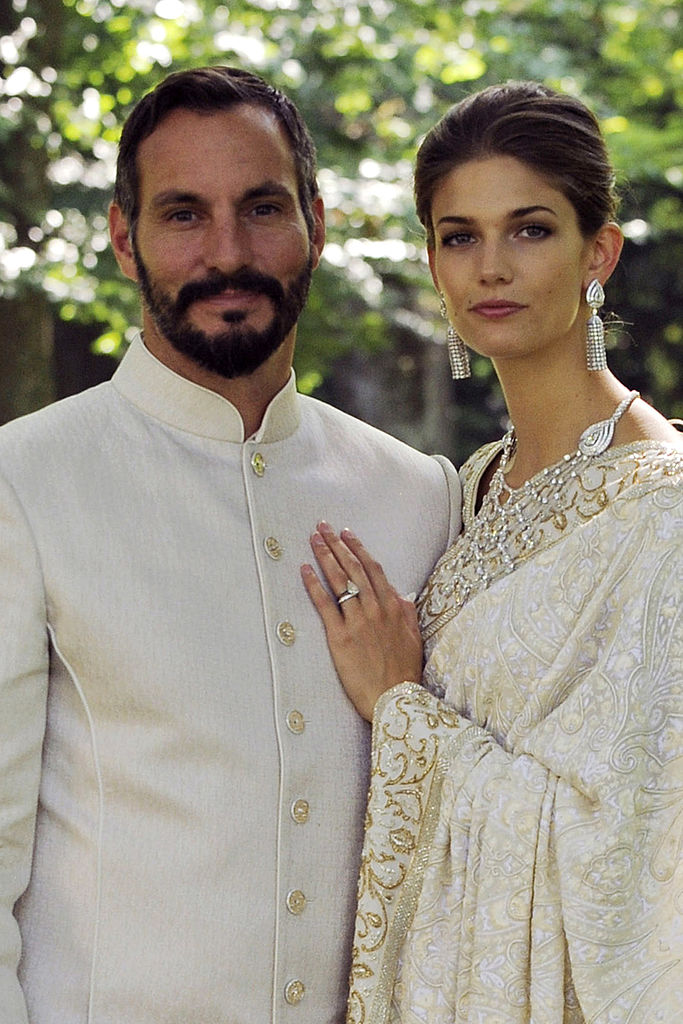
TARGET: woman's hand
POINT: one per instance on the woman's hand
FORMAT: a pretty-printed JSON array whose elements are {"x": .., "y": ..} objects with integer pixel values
[{"x": 373, "y": 637}]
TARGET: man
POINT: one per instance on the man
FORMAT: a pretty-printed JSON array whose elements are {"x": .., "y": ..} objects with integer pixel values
[{"x": 182, "y": 780}]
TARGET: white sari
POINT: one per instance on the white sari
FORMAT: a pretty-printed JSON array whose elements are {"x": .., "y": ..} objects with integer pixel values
[{"x": 522, "y": 859}]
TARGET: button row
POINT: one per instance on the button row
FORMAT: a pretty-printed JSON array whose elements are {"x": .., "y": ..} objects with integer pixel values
[{"x": 286, "y": 634}]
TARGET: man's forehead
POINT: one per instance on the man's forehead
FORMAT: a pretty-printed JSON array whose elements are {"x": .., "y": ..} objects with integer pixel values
[
  {"x": 245, "y": 143},
  {"x": 183, "y": 127}
]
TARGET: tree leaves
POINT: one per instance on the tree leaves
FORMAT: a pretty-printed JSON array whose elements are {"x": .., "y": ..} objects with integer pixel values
[{"x": 370, "y": 78}]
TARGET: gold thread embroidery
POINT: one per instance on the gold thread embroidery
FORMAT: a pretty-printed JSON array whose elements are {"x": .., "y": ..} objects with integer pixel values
[
  {"x": 624, "y": 473},
  {"x": 409, "y": 766}
]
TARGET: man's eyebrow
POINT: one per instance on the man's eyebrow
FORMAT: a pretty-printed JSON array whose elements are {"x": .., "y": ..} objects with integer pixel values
[
  {"x": 268, "y": 188},
  {"x": 173, "y": 196},
  {"x": 521, "y": 211}
]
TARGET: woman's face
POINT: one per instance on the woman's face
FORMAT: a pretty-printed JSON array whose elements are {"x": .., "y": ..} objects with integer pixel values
[{"x": 510, "y": 259}]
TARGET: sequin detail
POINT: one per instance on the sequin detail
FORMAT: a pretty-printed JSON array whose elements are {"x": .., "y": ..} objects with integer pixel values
[{"x": 499, "y": 537}]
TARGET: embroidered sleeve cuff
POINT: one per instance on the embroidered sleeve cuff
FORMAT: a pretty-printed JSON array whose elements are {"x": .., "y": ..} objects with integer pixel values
[{"x": 399, "y": 690}]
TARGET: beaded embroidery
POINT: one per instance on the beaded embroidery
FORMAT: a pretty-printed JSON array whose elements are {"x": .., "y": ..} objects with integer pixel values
[{"x": 498, "y": 538}]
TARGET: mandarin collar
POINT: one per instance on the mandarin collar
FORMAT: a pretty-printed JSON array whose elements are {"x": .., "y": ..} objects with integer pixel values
[{"x": 167, "y": 396}]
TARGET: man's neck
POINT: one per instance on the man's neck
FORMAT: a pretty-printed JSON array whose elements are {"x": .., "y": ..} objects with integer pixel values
[{"x": 250, "y": 394}]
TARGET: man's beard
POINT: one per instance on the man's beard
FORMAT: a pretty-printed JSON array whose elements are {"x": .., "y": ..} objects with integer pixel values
[{"x": 236, "y": 352}]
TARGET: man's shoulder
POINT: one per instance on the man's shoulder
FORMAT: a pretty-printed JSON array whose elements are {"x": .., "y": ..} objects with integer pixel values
[
  {"x": 61, "y": 411},
  {"x": 66, "y": 425},
  {"x": 348, "y": 430}
]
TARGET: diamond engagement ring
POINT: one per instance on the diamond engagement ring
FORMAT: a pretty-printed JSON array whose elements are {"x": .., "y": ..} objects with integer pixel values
[{"x": 351, "y": 591}]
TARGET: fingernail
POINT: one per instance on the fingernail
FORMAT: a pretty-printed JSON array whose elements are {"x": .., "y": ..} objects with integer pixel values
[
  {"x": 347, "y": 534},
  {"x": 324, "y": 527},
  {"x": 316, "y": 539}
]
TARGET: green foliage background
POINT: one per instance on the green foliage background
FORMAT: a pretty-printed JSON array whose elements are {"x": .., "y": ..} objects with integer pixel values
[{"x": 370, "y": 78}]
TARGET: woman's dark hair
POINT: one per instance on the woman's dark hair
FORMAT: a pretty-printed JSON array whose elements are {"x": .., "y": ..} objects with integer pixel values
[
  {"x": 555, "y": 135},
  {"x": 207, "y": 90}
]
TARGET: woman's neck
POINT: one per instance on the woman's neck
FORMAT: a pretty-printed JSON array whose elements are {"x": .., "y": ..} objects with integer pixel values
[{"x": 550, "y": 411}]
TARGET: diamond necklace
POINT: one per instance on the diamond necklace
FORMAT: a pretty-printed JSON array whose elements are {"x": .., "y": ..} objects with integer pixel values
[{"x": 504, "y": 532}]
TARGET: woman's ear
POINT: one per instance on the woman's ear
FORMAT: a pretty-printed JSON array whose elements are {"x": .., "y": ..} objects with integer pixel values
[
  {"x": 604, "y": 252},
  {"x": 431, "y": 256}
]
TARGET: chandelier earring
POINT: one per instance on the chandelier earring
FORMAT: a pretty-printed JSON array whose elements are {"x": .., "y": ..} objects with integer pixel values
[
  {"x": 596, "y": 358},
  {"x": 458, "y": 357}
]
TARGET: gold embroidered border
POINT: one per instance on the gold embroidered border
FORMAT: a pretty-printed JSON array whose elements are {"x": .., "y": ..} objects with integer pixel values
[
  {"x": 389, "y": 908},
  {"x": 406, "y": 905}
]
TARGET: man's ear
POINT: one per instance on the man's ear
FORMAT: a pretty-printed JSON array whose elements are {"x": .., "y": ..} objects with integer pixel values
[
  {"x": 604, "y": 252},
  {"x": 119, "y": 233},
  {"x": 318, "y": 236}
]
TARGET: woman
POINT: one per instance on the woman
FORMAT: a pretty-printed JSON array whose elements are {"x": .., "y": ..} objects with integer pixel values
[{"x": 522, "y": 854}]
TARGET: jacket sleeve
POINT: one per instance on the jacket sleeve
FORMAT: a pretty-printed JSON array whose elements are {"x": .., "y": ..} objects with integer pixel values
[
  {"x": 23, "y": 695},
  {"x": 454, "y": 496}
]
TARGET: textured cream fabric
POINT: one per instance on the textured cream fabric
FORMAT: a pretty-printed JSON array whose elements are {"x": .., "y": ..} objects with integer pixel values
[
  {"x": 150, "y": 598},
  {"x": 522, "y": 859}
]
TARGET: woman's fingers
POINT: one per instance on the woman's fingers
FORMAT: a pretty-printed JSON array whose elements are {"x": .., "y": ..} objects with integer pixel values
[
  {"x": 349, "y": 559},
  {"x": 373, "y": 636},
  {"x": 339, "y": 564},
  {"x": 371, "y": 567}
]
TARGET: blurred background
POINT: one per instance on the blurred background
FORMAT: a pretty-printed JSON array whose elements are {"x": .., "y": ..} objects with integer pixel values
[{"x": 370, "y": 78}]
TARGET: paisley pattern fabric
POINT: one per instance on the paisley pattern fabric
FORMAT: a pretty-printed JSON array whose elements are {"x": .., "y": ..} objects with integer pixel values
[{"x": 522, "y": 860}]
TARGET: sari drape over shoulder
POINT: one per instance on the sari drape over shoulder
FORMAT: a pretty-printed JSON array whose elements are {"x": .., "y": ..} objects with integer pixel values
[{"x": 522, "y": 858}]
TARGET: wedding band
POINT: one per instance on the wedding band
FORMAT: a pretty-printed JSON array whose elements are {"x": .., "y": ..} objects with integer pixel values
[{"x": 351, "y": 591}]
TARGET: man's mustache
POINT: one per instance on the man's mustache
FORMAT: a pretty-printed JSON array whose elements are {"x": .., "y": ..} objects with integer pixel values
[{"x": 241, "y": 280}]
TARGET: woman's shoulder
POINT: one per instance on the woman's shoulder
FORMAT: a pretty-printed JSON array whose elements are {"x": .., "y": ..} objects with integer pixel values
[
  {"x": 642, "y": 422},
  {"x": 643, "y": 465},
  {"x": 642, "y": 483},
  {"x": 471, "y": 473}
]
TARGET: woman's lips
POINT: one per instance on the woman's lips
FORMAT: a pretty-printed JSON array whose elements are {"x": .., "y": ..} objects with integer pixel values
[{"x": 496, "y": 309}]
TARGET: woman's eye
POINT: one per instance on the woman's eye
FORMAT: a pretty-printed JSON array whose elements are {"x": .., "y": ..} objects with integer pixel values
[
  {"x": 457, "y": 238},
  {"x": 534, "y": 231}
]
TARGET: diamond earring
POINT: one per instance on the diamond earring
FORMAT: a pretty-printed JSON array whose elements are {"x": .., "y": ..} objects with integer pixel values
[
  {"x": 596, "y": 358},
  {"x": 458, "y": 357}
]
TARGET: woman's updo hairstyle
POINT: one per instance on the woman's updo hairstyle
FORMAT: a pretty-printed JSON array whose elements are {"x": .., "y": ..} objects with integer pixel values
[{"x": 554, "y": 134}]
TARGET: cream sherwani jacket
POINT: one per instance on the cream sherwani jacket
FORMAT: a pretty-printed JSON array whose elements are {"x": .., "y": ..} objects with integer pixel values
[{"x": 182, "y": 780}]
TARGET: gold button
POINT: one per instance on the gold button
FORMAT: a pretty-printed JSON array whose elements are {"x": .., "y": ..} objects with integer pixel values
[
  {"x": 258, "y": 463},
  {"x": 296, "y": 901},
  {"x": 300, "y": 810},
  {"x": 295, "y": 722},
  {"x": 286, "y": 633},
  {"x": 273, "y": 548},
  {"x": 294, "y": 991}
]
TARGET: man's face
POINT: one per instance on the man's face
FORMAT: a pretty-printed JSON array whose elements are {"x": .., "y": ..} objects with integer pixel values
[{"x": 221, "y": 250}]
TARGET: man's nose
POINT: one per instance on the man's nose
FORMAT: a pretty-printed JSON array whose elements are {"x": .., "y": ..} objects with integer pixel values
[{"x": 226, "y": 245}]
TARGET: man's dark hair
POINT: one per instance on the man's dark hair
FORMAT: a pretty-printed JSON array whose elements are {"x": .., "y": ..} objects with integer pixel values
[{"x": 207, "y": 90}]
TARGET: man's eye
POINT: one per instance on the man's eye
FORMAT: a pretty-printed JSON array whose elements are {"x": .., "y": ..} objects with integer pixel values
[
  {"x": 265, "y": 209},
  {"x": 182, "y": 215}
]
